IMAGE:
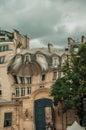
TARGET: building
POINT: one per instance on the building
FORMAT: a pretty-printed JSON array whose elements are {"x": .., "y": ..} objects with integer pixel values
[{"x": 26, "y": 77}]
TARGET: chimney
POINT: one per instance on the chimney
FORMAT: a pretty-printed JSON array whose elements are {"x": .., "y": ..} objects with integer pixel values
[
  {"x": 16, "y": 33},
  {"x": 50, "y": 47},
  {"x": 83, "y": 39},
  {"x": 70, "y": 40},
  {"x": 26, "y": 42}
]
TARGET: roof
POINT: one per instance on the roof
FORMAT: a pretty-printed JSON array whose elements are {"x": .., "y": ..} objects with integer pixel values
[
  {"x": 43, "y": 50},
  {"x": 3, "y": 101},
  {"x": 18, "y": 65}
]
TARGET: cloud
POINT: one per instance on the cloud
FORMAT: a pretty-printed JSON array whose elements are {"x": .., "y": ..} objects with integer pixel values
[{"x": 45, "y": 21}]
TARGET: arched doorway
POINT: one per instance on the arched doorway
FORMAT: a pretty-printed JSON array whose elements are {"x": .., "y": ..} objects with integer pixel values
[{"x": 42, "y": 116}]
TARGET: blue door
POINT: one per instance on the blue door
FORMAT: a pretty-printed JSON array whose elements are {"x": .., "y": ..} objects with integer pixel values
[{"x": 40, "y": 105}]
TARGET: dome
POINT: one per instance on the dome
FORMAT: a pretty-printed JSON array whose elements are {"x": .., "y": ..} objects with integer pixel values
[{"x": 29, "y": 69}]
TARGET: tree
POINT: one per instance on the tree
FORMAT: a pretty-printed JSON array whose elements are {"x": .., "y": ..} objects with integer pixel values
[{"x": 72, "y": 86}]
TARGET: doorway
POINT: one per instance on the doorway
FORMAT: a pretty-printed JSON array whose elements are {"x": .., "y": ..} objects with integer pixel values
[{"x": 40, "y": 113}]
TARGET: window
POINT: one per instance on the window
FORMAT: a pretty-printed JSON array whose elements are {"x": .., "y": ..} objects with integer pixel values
[
  {"x": 1, "y": 48},
  {"x": 43, "y": 77},
  {"x": 22, "y": 91},
  {"x": 7, "y": 119},
  {"x": 28, "y": 80},
  {"x": 28, "y": 90},
  {"x": 76, "y": 49},
  {"x": 54, "y": 75},
  {"x": 2, "y": 39},
  {"x": 27, "y": 59},
  {"x": 2, "y": 59},
  {"x": 15, "y": 79},
  {"x": 55, "y": 62},
  {"x": 4, "y": 48},
  {"x": 0, "y": 92},
  {"x": 22, "y": 80},
  {"x": 41, "y": 86},
  {"x": 17, "y": 91}
]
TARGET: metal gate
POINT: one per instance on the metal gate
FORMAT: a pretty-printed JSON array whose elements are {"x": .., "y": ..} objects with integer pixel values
[{"x": 40, "y": 105}]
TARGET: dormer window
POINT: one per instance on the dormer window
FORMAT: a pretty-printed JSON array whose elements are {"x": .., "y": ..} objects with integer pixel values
[
  {"x": 22, "y": 81},
  {"x": 27, "y": 59},
  {"x": 55, "y": 62},
  {"x": 15, "y": 79},
  {"x": 42, "y": 61}
]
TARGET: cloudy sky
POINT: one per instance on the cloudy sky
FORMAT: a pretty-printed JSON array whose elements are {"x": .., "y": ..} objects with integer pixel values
[{"x": 45, "y": 21}]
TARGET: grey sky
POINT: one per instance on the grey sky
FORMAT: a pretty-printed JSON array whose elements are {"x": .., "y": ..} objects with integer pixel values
[{"x": 45, "y": 21}]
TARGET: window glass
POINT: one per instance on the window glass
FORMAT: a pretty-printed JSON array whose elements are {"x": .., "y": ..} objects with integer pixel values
[
  {"x": 43, "y": 77},
  {"x": 15, "y": 79},
  {"x": 17, "y": 91},
  {"x": 7, "y": 119},
  {"x": 41, "y": 86},
  {"x": 0, "y": 92},
  {"x": 55, "y": 62},
  {"x": 29, "y": 80},
  {"x": 54, "y": 75},
  {"x": 4, "y": 48},
  {"x": 28, "y": 90},
  {"x": 2, "y": 59},
  {"x": 22, "y": 91},
  {"x": 22, "y": 81}
]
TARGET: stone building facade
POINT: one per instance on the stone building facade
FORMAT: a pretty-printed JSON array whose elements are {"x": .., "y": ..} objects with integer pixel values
[{"x": 26, "y": 78}]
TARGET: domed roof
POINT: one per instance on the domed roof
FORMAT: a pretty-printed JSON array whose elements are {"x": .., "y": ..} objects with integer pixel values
[{"x": 29, "y": 69}]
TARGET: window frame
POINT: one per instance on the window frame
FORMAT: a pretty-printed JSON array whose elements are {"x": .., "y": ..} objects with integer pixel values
[
  {"x": 2, "y": 59},
  {"x": 54, "y": 75},
  {"x": 17, "y": 92},
  {"x": 7, "y": 120},
  {"x": 22, "y": 80},
  {"x": 29, "y": 80},
  {"x": 55, "y": 61},
  {"x": 28, "y": 90},
  {"x": 22, "y": 91},
  {"x": 43, "y": 77},
  {"x": 15, "y": 79}
]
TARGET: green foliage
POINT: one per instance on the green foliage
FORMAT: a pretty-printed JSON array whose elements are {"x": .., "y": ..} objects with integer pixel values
[{"x": 72, "y": 87}]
